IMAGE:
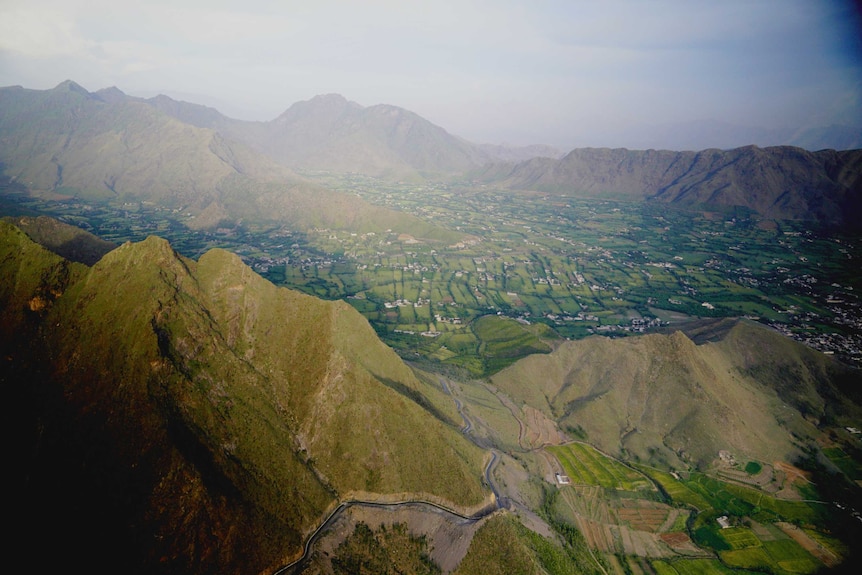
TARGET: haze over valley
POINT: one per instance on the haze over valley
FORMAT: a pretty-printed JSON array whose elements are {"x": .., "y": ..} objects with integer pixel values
[{"x": 575, "y": 316}]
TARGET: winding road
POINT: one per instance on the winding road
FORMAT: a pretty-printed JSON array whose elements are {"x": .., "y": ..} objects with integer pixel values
[{"x": 427, "y": 506}]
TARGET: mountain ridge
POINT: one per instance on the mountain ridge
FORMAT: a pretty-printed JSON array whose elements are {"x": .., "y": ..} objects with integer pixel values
[
  {"x": 70, "y": 142},
  {"x": 207, "y": 160},
  {"x": 663, "y": 397},
  {"x": 777, "y": 182},
  {"x": 209, "y": 425}
]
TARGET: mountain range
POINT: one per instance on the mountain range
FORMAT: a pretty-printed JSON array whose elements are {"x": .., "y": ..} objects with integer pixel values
[
  {"x": 330, "y": 133},
  {"x": 107, "y": 145},
  {"x": 777, "y": 183},
  {"x": 67, "y": 142},
  {"x": 702, "y": 134},
  {"x": 168, "y": 415}
]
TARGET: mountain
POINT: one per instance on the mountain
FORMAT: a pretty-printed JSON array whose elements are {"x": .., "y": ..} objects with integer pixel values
[
  {"x": 330, "y": 133},
  {"x": 65, "y": 240},
  {"x": 744, "y": 389},
  {"x": 778, "y": 182},
  {"x": 508, "y": 153},
  {"x": 704, "y": 134},
  {"x": 188, "y": 416},
  {"x": 105, "y": 146},
  {"x": 109, "y": 146}
]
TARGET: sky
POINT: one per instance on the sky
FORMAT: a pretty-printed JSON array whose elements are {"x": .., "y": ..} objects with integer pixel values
[{"x": 566, "y": 73}]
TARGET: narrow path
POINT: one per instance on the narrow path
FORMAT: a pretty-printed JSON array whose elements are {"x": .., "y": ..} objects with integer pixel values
[
  {"x": 468, "y": 425},
  {"x": 507, "y": 403},
  {"x": 499, "y": 501},
  {"x": 466, "y": 430},
  {"x": 429, "y": 506}
]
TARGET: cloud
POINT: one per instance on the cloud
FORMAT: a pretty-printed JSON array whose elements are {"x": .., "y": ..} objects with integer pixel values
[{"x": 41, "y": 33}]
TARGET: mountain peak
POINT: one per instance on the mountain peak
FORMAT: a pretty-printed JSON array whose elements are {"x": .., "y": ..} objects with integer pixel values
[
  {"x": 326, "y": 107},
  {"x": 71, "y": 86},
  {"x": 330, "y": 98},
  {"x": 111, "y": 94}
]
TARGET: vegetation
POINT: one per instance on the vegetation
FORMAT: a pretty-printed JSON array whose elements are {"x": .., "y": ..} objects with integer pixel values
[
  {"x": 193, "y": 404},
  {"x": 504, "y": 546},
  {"x": 574, "y": 544},
  {"x": 753, "y": 467},
  {"x": 215, "y": 373},
  {"x": 562, "y": 268},
  {"x": 385, "y": 551},
  {"x": 587, "y": 466}
]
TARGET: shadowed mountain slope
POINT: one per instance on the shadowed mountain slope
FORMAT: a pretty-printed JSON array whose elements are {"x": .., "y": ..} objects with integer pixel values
[
  {"x": 663, "y": 398},
  {"x": 182, "y": 416},
  {"x": 66, "y": 240},
  {"x": 778, "y": 182}
]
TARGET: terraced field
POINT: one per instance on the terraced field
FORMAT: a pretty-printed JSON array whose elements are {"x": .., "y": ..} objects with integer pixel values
[{"x": 585, "y": 465}]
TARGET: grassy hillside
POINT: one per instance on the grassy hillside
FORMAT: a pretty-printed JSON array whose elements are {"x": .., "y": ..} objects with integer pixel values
[
  {"x": 503, "y": 545},
  {"x": 663, "y": 399},
  {"x": 201, "y": 416}
]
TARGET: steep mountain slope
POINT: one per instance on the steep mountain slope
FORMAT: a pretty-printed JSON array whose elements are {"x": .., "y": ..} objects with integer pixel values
[
  {"x": 106, "y": 146},
  {"x": 183, "y": 416},
  {"x": 779, "y": 182},
  {"x": 662, "y": 398}
]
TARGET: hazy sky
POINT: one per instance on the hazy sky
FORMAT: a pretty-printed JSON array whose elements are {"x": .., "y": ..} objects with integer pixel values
[{"x": 568, "y": 73}]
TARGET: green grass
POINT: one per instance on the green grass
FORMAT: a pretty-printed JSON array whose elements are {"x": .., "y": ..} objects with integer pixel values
[
  {"x": 850, "y": 467},
  {"x": 585, "y": 465},
  {"x": 691, "y": 567},
  {"x": 677, "y": 490},
  {"x": 739, "y": 537},
  {"x": 502, "y": 341},
  {"x": 781, "y": 557},
  {"x": 503, "y": 546}
]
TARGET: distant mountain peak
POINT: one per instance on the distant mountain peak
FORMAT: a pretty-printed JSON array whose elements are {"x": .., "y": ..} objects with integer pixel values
[
  {"x": 71, "y": 86},
  {"x": 332, "y": 97},
  {"x": 111, "y": 94},
  {"x": 328, "y": 106}
]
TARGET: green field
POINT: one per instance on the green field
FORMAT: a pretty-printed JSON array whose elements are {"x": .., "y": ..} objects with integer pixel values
[
  {"x": 739, "y": 537},
  {"x": 676, "y": 489},
  {"x": 585, "y": 465},
  {"x": 572, "y": 267},
  {"x": 692, "y": 567},
  {"x": 780, "y": 557}
]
